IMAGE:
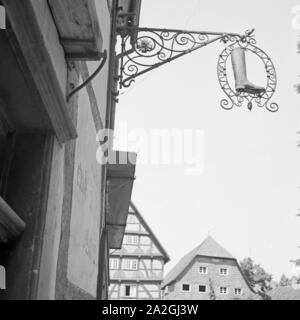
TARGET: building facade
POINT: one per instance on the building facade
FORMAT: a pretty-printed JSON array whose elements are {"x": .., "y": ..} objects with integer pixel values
[
  {"x": 60, "y": 209},
  {"x": 136, "y": 270},
  {"x": 208, "y": 272}
]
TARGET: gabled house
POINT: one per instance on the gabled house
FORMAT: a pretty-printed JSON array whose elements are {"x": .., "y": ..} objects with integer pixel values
[
  {"x": 137, "y": 269},
  {"x": 208, "y": 272}
]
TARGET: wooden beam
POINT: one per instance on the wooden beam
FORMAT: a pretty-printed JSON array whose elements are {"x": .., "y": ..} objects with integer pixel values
[
  {"x": 11, "y": 225},
  {"x": 78, "y": 27},
  {"x": 120, "y": 178}
]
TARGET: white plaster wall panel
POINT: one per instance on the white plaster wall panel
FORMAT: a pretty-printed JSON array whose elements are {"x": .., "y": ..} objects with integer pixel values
[{"x": 86, "y": 206}]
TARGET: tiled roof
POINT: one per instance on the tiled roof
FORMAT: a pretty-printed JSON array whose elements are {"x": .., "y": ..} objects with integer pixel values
[
  {"x": 285, "y": 293},
  {"x": 208, "y": 248}
]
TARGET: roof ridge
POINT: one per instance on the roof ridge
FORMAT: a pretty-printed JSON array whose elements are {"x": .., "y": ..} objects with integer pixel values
[{"x": 219, "y": 251}]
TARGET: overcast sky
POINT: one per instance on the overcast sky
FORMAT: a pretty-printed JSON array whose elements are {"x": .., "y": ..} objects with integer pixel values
[{"x": 247, "y": 197}]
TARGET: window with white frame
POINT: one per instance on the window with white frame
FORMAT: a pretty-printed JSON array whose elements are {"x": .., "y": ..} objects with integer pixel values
[
  {"x": 130, "y": 264},
  {"x": 131, "y": 239},
  {"x": 223, "y": 271},
  {"x": 238, "y": 291},
  {"x": 145, "y": 241},
  {"x": 202, "y": 288},
  {"x": 203, "y": 270},
  {"x": 185, "y": 287},
  {"x": 113, "y": 263},
  {"x": 223, "y": 290},
  {"x": 130, "y": 291}
]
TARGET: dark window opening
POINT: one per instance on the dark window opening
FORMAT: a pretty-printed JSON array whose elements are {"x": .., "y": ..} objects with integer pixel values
[
  {"x": 127, "y": 291},
  {"x": 202, "y": 288},
  {"x": 185, "y": 287}
]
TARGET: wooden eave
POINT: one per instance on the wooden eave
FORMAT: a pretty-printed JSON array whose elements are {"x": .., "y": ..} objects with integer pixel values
[
  {"x": 78, "y": 27},
  {"x": 120, "y": 178}
]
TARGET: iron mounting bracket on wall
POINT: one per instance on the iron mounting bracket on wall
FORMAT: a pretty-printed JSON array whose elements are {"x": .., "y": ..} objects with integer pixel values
[{"x": 141, "y": 50}]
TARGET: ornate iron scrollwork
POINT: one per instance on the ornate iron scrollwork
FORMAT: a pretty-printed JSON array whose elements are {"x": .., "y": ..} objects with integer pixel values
[
  {"x": 236, "y": 98},
  {"x": 145, "y": 49}
]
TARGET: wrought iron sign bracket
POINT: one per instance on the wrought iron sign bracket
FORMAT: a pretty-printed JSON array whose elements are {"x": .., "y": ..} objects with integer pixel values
[{"x": 140, "y": 50}]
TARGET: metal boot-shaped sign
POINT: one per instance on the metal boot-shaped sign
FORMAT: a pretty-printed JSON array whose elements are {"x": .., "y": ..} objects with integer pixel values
[
  {"x": 245, "y": 91},
  {"x": 242, "y": 84}
]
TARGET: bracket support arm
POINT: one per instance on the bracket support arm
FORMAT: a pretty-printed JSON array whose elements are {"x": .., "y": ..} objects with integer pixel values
[{"x": 145, "y": 49}]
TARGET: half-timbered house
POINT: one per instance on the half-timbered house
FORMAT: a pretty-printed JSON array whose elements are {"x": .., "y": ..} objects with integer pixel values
[{"x": 136, "y": 270}]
